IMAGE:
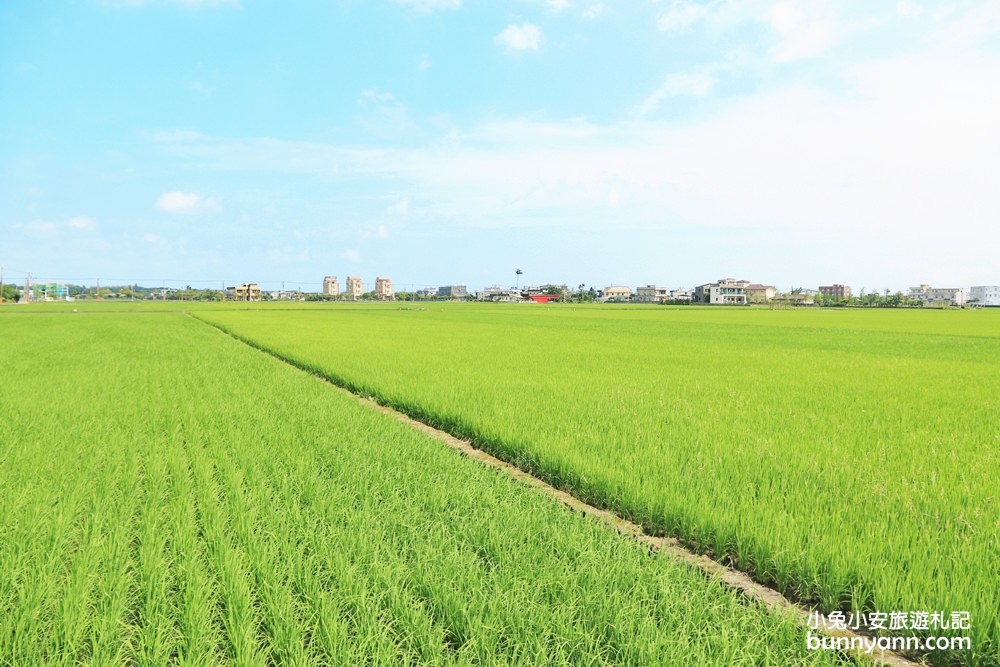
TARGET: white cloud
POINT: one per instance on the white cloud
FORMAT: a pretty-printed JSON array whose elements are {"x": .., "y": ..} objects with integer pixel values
[
  {"x": 380, "y": 232},
  {"x": 594, "y": 12},
  {"x": 401, "y": 207},
  {"x": 518, "y": 38},
  {"x": 690, "y": 84},
  {"x": 200, "y": 87},
  {"x": 557, "y": 5},
  {"x": 80, "y": 222},
  {"x": 186, "y": 202},
  {"x": 152, "y": 238},
  {"x": 425, "y": 62},
  {"x": 428, "y": 6},
  {"x": 801, "y": 35},
  {"x": 351, "y": 256},
  {"x": 682, "y": 14}
]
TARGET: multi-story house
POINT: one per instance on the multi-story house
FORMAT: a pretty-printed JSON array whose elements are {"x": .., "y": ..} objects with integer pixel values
[
  {"x": 331, "y": 286},
  {"x": 383, "y": 289},
  {"x": 835, "y": 291},
  {"x": 355, "y": 288},
  {"x": 651, "y": 294}
]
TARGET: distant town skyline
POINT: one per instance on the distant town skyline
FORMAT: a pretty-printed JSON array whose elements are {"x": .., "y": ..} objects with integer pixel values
[{"x": 441, "y": 142}]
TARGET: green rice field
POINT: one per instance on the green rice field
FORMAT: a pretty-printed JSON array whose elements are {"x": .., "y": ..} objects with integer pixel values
[
  {"x": 847, "y": 457},
  {"x": 169, "y": 495}
]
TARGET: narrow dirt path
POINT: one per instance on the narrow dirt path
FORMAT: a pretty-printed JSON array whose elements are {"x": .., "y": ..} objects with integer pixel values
[{"x": 768, "y": 597}]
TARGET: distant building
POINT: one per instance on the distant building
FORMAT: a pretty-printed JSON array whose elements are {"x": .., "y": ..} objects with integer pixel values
[
  {"x": 681, "y": 295},
  {"x": 355, "y": 288},
  {"x": 651, "y": 294},
  {"x": 757, "y": 293},
  {"x": 984, "y": 295},
  {"x": 244, "y": 292},
  {"x": 940, "y": 296},
  {"x": 617, "y": 293},
  {"x": 331, "y": 286},
  {"x": 797, "y": 298},
  {"x": 728, "y": 292},
  {"x": 383, "y": 289},
  {"x": 500, "y": 295},
  {"x": 835, "y": 291},
  {"x": 452, "y": 291},
  {"x": 427, "y": 292}
]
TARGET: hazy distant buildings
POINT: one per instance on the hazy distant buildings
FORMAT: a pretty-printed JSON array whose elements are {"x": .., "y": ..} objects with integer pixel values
[
  {"x": 355, "y": 288},
  {"x": 617, "y": 293},
  {"x": 243, "y": 292},
  {"x": 984, "y": 295},
  {"x": 651, "y": 294},
  {"x": 952, "y": 296},
  {"x": 836, "y": 291},
  {"x": 383, "y": 289},
  {"x": 757, "y": 293},
  {"x": 728, "y": 291},
  {"x": 331, "y": 286},
  {"x": 452, "y": 292}
]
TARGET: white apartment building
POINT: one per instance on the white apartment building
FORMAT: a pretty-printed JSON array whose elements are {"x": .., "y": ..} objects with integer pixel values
[
  {"x": 952, "y": 295},
  {"x": 985, "y": 295}
]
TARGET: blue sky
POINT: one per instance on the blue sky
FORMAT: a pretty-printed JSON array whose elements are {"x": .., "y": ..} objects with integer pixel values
[{"x": 449, "y": 141}]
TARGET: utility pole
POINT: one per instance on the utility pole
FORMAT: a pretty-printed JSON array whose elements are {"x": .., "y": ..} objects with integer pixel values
[
  {"x": 1, "y": 283},
  {"x": 27, "y": 288}
]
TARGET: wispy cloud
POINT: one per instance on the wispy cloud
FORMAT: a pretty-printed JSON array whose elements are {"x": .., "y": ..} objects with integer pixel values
[
  {"x": 557, "y": 5},
  {"x": 594, "y": 11},
  {"x": 519, "y": 38},
  {"x": 38, "y": 228},
  {"x": 351, "y": 256},
  {"x": 428, "y": 6},
  {"x": 186, "y": 202},
  {"x": 688, "y": 84},
  {"x": 80, "y": 222},
  {"x": 190, "y": 4},
  {"x": 682, "y": 14}
]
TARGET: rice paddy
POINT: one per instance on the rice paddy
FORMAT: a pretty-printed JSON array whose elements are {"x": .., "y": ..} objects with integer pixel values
[
  {"x": 848, "y": 458},
  {"x": 173, "y": 496}
]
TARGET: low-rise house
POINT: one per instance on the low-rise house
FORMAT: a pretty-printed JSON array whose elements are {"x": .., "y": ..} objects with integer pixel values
[
  {"x": 651, "y": 294},
  {"x": 617, "y": 293},
  {"x": 681, "y": 295},
  {"x": 796, "y": 298},
  {"x": 757, "y": 293},
  {"x": 499, "y": 295},
  {"x": 244, "y": 292},
  {"x": 725, "y": 292}
]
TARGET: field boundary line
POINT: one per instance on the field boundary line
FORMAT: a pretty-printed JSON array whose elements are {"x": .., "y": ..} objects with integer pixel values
[{"x": 770, "y": 598}]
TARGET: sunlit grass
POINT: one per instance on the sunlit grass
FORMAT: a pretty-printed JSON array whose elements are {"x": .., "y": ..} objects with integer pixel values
[
  {"x": 848, "y": 457},
  {"x": 172, "y": 496}
]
